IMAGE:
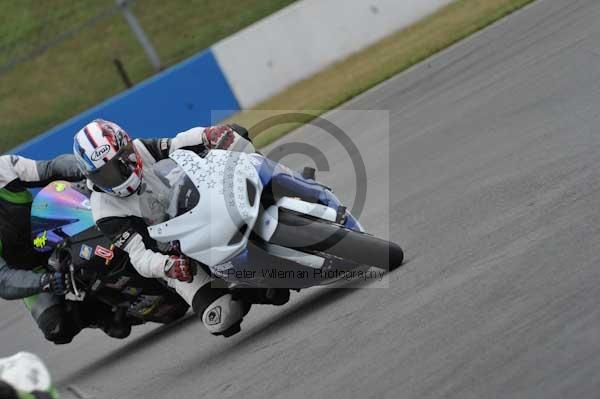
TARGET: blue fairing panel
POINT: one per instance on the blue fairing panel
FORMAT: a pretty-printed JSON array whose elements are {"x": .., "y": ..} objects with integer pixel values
[{"x": 175, "y": 100}]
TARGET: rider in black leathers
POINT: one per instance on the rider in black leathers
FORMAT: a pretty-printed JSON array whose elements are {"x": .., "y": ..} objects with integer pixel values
[{"x": 22, "y": 271}]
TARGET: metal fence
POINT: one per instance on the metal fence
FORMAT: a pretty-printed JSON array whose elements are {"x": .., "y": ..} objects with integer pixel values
[{"x": 41, "y": 35}]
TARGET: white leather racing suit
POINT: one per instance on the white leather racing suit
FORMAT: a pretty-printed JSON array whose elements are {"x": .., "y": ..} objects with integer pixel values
[{"x": 125, "y": 221}]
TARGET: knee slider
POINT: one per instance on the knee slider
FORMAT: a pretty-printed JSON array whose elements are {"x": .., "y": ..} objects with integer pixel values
[
  {"x": 217, "y": 308},
  {"x": 223, "y": 314}
]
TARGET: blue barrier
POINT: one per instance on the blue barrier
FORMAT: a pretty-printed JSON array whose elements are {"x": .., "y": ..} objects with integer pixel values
[{"x": 175, "y": 100}]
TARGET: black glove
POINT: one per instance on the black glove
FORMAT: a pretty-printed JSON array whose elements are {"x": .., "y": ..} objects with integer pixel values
[{"x": 56, "y": 283}]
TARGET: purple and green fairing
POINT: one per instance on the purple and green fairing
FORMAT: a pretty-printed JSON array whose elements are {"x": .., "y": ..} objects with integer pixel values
[{"x": 58, "y": 211}]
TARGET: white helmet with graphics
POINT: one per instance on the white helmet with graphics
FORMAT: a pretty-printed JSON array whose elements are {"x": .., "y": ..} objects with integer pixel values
[{"x": 108, "y": 158}]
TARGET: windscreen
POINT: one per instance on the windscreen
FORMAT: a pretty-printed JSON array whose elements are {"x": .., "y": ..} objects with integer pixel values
[{"x": 183, "y": 194}]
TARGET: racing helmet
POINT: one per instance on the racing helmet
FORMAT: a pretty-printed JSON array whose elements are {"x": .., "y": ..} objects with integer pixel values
[{"x": 108, "y": 158}]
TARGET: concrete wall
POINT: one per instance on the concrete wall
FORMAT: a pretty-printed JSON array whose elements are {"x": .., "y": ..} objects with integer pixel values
[{"x": 307, "y": 36}]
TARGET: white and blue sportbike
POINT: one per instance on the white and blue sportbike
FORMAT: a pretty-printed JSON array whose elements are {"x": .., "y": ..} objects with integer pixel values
[
  {"x": 258, "y": 227},
  {"x": 255, "y": 223}
]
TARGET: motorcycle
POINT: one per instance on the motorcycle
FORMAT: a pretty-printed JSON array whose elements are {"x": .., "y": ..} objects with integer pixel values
[
  {"x": 258, "y": 227},
  {"x": 101, "y": 274}
]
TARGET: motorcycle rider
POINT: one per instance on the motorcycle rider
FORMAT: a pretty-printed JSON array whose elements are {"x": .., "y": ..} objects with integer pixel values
[
  {"x": 125, "y": 201},
  {"x": 22, "y": 271}
]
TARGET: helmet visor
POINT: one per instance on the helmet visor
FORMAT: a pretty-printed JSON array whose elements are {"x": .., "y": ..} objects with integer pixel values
[{"x": 116, "y": 171}]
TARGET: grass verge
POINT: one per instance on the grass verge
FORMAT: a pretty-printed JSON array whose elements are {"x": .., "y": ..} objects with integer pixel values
[
  {"x": 78, "y": 72},
  {"x": 363, "y": 70}
]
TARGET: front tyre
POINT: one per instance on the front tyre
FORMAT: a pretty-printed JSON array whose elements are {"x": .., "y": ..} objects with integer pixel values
[{"x": 307, "y": 234}]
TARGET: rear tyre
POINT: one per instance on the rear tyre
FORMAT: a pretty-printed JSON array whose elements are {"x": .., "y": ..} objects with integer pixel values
[{"x": 306, "y": 234}]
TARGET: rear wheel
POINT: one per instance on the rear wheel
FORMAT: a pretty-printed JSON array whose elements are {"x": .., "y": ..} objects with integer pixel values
[{"x": 307, "y": 234}]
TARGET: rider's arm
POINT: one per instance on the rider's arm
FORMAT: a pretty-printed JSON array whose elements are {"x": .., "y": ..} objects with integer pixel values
[
  {"x": 17, "y": 171},
  {"x": 131, "y": 235},
  {"x": 18, "y": 284},
  {"x": 63, "y": 167},
  {"x": 222, "y": 137}
]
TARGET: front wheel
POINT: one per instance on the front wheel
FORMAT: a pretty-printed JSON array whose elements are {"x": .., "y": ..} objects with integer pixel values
[{"x": 311, "y": 235}]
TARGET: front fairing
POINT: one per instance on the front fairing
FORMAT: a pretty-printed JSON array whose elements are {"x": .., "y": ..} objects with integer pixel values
[
  {"x": 216, "y": 207},
  {"x": 58, "y": 212}
]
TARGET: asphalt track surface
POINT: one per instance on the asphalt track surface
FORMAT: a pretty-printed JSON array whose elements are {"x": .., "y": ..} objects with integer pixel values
[{"x": 494, "y": 161}]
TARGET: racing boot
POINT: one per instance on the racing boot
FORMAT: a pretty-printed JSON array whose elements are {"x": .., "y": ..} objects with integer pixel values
[
  {"x": 115, "y": 325},
  {"x": 99, "y": 315}
]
